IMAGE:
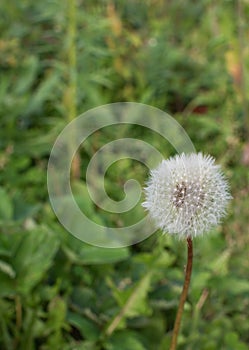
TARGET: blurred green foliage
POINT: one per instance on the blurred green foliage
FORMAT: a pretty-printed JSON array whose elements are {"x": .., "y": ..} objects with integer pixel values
[{"x": 189, "y": 58}]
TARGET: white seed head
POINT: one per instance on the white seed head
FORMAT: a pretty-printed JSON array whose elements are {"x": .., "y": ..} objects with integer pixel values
[{"x": 187, "y": 195}]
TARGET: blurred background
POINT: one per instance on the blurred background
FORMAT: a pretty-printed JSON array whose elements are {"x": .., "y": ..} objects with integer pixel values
[{"x": 58, "y": 59}]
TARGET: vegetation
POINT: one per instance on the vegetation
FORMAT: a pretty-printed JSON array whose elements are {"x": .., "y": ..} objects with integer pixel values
[{"x": 58, "y": 59}]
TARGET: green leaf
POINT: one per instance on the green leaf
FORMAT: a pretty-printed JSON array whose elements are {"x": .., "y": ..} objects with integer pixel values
[
  {"x": 6, "y": 208},
  {"x": 83, "y": 298},
  {"x": 33, "y": 257},
  {"x": 164, "y": 259},
  {"x": 233, "y": 342},
  {"x": 87, "y": 254},
  {"x": 56, "y": 313},
  {"x": 56, "y": 322},
  {"x": 7, "y": 269},
  {"x": 231, "y": 285},
  {"x": 220, "y": 264},
  {"x": 82, "y": 197},
  {"x": 27, "y": 75},
  {"x": 133, "y": 301},
  {"x": 43, "y": 93},
  {"x": 85, "y": 345},
  {"x": 87, "y": 328},
  {"x": 7, "y": 285},
  {"x": 125, "y": 341},
  {"x": 96, "y": 255}
]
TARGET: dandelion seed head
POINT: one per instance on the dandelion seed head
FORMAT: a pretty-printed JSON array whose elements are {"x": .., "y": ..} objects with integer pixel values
[{"x": 187, "y": 195}]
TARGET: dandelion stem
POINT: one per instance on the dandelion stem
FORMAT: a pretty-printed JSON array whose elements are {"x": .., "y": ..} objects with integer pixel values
[{"x": 183, "y": 295}]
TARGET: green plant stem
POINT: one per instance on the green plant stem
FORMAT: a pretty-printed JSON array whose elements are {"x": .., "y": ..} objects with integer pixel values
[
  {"x": 70, "y": 100},
  {"x": 183, "y": 295},
  {"x": 18, "y": 307},
  {"x": 241, "y": 42},
  {"x": 72, "y": 59}
]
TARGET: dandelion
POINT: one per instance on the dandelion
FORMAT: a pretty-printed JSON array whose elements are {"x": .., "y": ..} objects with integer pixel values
[{"x": 186, "y": 196}]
